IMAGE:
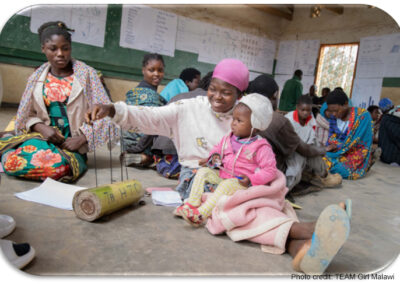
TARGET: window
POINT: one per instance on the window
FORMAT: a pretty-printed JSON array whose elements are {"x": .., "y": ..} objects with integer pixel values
[{"x": 336, "y": 67}]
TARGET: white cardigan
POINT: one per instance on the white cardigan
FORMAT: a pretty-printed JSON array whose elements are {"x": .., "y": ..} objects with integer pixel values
[{"x": 192, "y": 124}]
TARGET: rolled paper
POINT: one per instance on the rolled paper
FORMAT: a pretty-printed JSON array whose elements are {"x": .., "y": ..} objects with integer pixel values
[{"x": 93, "y": 203}]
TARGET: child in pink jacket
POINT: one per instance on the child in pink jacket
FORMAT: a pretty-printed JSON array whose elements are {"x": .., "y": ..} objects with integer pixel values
[{"x": 244, "y": 159}]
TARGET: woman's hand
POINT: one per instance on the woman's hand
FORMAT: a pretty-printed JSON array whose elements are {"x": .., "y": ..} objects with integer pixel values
[
  {"x": 244, "y": 180},
  {"x": 49, "y": 133},
  {"x": 74, "y": 143},
  {"x": 7, "y": 133},
  {"x": 98, "y": 112},
  {"x": 331, "y": 148},
  {"x": 203, "y": 162},
  {"x": 216, "y": 160}
]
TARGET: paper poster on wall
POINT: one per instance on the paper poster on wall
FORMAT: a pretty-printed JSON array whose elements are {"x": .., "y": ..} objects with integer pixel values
[
  {"x": 254, "y": 51},
  {"x": 148, "y": 29},
  {"x": 366, "y": 92},
  {"x": 264, "y": 54},
  {"x": 189, "y": 34},
  {"x": 218, "y": 43},
  {"x": 253, "y": 75},
  {"x": 89, "y": 22},
  {"x": 286, "y": 57},
  {"x": 392, "y": 57},
  {"x": 306, "y": 56},
  {"x": 307, "y": 82},
  {"x": 371, "y": 57}
]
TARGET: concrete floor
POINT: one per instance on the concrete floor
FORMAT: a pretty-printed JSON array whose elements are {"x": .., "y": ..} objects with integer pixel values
[{"x": 148, "y": 240}]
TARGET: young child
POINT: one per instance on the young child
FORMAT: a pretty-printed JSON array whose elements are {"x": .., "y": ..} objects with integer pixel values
[
  {"x": 243, "y": 158},
  {"x": 302, "y": 120},
  {"x": 304, "y": 124}
]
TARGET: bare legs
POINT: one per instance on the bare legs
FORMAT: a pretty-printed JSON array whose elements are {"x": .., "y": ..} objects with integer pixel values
[{"x": 299, "y": 233}]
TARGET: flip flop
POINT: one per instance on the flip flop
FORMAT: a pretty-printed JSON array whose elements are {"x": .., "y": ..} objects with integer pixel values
[
  {"x": 294, "y": 205},
  {"x": 7, "y": 225},
  {"x": 10, "y": 254},
  {"x": 331, "y": 232},
  {"x": 348, "y": 204}
]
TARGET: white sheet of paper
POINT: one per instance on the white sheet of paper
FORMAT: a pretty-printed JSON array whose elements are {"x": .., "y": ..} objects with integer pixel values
[
  {"x": 88, "y": 21},
  {"x": 307, "y": 82},
  {"x": 189, "y": 34},
  {"x": 51, "y": 193},
  {"x": 371, "y": 57},
  {"x": 218, "y": 43},
  {"x": 306, "y": 56},
  {"x": 286, "y": 57},
  {"x": 148, "y": 29},
  {"x": 392, "y": 57},
  {"x": 166, "y": 198},
  {"x": 366, "y": 92}
]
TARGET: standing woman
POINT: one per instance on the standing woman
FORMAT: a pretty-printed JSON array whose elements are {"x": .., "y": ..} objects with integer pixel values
[
  {"x": 52, "y": 138},
  {"x": 137, "y": 146},
  {"x": 350, "y": 137}
]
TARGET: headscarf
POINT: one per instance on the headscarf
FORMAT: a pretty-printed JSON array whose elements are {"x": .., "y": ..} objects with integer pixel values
[
  {"x": 261, "y": 110},
  {"x": 324, "y": 107},
  {"x": 385, "y": 104},
  {"x": 232, "y": 71}
]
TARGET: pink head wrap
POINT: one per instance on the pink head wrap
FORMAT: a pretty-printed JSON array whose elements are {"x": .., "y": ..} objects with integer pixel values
[{"x": 232, "y": 71}]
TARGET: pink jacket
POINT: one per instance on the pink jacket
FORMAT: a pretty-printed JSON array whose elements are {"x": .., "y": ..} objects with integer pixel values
[{"x": 256, "y": 160}]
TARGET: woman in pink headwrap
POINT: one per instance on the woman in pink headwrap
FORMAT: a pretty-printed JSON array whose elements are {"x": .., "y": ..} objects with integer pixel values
[
  {"x": 194, "y": 125},
  {"x": 197, "y": 125}
]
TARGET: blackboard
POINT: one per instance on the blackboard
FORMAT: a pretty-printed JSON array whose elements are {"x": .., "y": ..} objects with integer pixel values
[{"x": 18, "y": 45}]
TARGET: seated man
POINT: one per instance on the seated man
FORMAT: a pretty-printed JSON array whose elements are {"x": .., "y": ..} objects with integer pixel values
[
  {"x": 304, "y": 124},
  {"x": 284, "y": 140},
  {"x": 188, "y": 81}
]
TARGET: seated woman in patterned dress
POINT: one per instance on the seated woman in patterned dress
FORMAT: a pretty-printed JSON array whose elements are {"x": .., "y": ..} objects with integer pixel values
[
  {"x": 137, "y": 146},
  {"x": 51, "y": 138},
  {"x": 350, "y": 137}
]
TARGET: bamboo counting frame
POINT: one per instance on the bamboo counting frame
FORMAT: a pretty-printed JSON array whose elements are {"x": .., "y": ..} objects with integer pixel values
[{"x": 91, "y": 204}]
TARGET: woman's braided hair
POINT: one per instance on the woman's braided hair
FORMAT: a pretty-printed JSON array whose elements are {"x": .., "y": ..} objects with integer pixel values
[{"x": 47, "y": 30}]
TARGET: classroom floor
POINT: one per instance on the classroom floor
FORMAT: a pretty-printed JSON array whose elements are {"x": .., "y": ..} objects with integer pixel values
[{"x": 148, "y": 240}]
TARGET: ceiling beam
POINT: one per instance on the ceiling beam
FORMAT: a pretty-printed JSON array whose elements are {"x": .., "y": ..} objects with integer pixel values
[
  {"x": 272, "y": 11},
  {"x": 338, "y": 9}
]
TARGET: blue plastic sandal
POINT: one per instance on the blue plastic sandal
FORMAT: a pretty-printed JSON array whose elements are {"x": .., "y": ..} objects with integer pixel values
[{"x": 331, "y": 232}]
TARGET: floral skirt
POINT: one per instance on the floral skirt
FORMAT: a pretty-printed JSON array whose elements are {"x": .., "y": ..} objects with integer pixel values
[{"x": 30, "y": 156}]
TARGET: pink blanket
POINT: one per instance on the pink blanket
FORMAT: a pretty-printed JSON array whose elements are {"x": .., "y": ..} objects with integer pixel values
[{"x": 259, "y": 214}]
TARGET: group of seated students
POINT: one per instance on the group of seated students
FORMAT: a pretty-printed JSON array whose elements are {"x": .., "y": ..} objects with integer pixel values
[{"x": 223, "y": 132}]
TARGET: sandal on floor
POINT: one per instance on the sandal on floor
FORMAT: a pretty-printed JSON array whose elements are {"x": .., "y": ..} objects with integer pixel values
[
  {"x": 192, "y": 215},
  {"x": 347, "y": 205},
  {"x": 7, "y": 225},
  {"x": 21, "y": 259},
  {"x": 331, "y": 232}
]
